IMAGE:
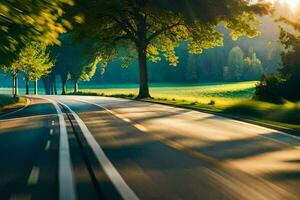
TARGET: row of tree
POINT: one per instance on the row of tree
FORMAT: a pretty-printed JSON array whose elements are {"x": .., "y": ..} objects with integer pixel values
[
  {"x": 124, "y": 30},
  {"x": 34, "y": 62}
]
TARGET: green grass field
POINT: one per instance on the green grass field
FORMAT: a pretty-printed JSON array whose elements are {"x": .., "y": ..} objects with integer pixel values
[
  {"x": 223, "y": 94},
  {"x": 229, "y": 98}
]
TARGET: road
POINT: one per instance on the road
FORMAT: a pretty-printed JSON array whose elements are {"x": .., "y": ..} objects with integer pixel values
[{"x": 72, "y": 147}]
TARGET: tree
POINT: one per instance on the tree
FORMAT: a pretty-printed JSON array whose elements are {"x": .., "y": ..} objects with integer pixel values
[
  {"x": 13, "y": 67},
  {"x": 73, "y": 61},
  {"x": 34, "y": 61},
  {"x": 285, "y": 85},
  {"x": 273, "y": 58},
  {"x": 191, "y": 73},
  {"x": 153, "y": 29},
  {"x": 291, "y": 64},
  {"x": 235, "y": 64},
  {"x": 253, "y": 69},
  {"x": 23, "y": 20}
]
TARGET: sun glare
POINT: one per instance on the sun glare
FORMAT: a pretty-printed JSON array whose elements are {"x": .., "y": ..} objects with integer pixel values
[{"x": 293, "y": 4}]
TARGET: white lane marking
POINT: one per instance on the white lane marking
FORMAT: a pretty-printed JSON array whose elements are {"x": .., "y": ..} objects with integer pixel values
[
  {"x": 51, "y": 131},
  {"x": 119, "y": 183},
  {"x": 47, "y": 147},
  {"x": 34, "y": 176},
  {"x": 140, "y": 127},
  {"x": 65, "y": 170},
  {"x": 52, "y": 123},
  {"x": 28, "y": 101},
  {"x": 127, "y": 120}
]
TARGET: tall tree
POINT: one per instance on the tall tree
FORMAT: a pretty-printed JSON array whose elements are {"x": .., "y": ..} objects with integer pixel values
[
  {"x": 285, "y": 85},
  {"x": 35, "y": 63},
  {"x": 253, "y": 69},
  {"x": 235, "y": 64},
  {"x": 73, "y": 61},
  {"x": 154, "y": 28}
]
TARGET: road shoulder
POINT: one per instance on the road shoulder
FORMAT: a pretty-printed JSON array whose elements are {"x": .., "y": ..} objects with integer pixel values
[{"x": 11, "y": 105}]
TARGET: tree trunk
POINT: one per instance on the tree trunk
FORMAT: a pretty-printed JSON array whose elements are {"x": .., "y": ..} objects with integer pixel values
[
  {"x": 27, "y": 86},
  {"x": 13, "y": 84},
  {"x": 144, "y": 87},
  {"x": 35, "y": 87},
  {"x": 54, "y": 86},
  {"x": 16, "y": 93},
  {"x": 51, "y": 86},
  {"x": 64, "y": 87},
  {"x": 46, "y": 85},
  {"x": 75, "y": 86}
]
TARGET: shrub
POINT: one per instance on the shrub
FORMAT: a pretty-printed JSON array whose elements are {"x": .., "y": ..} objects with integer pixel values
[
  {"x": 212, "y": 102},
  {"x": 270, "y": 89}
]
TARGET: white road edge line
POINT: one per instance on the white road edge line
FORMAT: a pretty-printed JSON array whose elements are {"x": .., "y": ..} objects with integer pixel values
[
  {"x": 119, "y": 183},
  {"x": 65, "y": 170},
  {"x": 34, "y": 176},
  {"x": 234, "y": 120},
  {"x": 28, "y": 101}
]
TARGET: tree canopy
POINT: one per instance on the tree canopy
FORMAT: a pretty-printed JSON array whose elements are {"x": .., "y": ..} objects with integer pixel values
[
  {"x": 153, "y": 29},
  {"x": 73, "y": 60},
  {"x": 22, "y": 21}
]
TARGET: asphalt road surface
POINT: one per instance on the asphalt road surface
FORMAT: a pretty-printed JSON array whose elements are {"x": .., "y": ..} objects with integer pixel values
[{"x": 72, "y": 147}]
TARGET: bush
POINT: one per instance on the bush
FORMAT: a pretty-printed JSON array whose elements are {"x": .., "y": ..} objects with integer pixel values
[
  {"x": 270, "y": 89},
  {"x": 211, "y": 103}
]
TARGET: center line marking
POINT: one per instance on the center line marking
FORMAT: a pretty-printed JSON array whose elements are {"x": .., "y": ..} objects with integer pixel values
[
  {"x": 51, "y": 131},
  {"x": 47, "y": 147},
  {"x": 34, "y": 176},
  {"x": 52, "y": 123},
  {"x": 66, "y": 184}
]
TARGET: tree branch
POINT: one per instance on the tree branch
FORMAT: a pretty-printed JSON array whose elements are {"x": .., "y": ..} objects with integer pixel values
[{"x": 164, "y": 29}]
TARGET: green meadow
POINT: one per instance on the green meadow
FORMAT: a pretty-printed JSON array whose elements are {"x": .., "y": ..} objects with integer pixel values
[
  {"x": 230, "y": 98},
  {"x": 221, "y": 93}
]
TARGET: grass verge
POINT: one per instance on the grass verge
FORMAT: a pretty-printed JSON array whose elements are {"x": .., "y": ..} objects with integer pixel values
[
  {"x": 285, "y": 115},
  {"x": 9, "y": 103}
]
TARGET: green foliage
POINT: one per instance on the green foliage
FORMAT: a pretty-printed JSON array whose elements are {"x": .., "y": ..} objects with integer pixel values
[
  {"x": 252, "y": 67},
  {"x": 269, "y": 89},
  {"x": 126, "y": 24},
  {"x": 235, "y": 64},
  {"x": 241, "y": 67},
  {"x": 154, "y": 29},
  {"x": 24, "y": 20},
  {"x": 73, "y": 60},
  {"x": 33, "y": 60},
  {"x": 286, "y": 84}
]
